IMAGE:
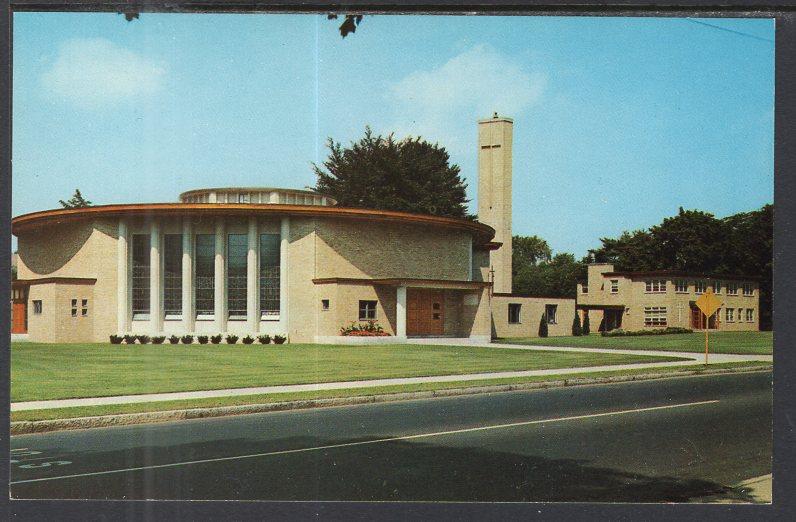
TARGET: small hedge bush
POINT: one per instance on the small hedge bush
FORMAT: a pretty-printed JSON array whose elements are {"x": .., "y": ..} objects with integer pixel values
[
  {"x": 202, "y": 339},
  {"x": 116, "y": 339},
  {"x": 639, "y": 333},
  {"x": 264, "y": 339},
  {"x": 216, "y": 339},
  {"x": 186, "y": 339},
  {"x": 247, "y": 340},
  {"x": 130, "y": 339},
  {"x": 158, "y": 339},
  {"x": 143, "y": 339},
  {"x": 174, "y": 339},
  {"x": 279, "y": 339},
  {"x": 232, "y": 339}
]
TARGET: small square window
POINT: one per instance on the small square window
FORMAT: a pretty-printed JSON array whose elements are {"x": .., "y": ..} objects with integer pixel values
[
  {"x": 367, "y": 310},
  {"x": 84, "y": 302},
  {"x": 324, "y": 304},
  {"x": 74, "y": 303},
  {"x": 84, "y": 312},
  {"x": 74, "y": 312},
  {"x": 614, "y": 286},
  {"x": 37, "y": 307}
]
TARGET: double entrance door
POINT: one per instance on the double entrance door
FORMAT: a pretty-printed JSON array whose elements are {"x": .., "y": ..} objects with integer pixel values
[{"x": 425, "y": 312}]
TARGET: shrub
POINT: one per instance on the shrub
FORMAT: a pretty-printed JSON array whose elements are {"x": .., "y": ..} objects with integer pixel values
[
  {"x": 586, "y": 329},
  {"x": 116, "y": 339},
  {"x": 543, "y": 326},
  {"x": 202, "y": 339},
  {"x": 143, "y": 339},
  {"x": 232, "y": 339},
  {"x": 576, "y": 330},
  {"x": 264, "y": 339},
  {"x": 279, "y": 339},
  {"x": 368, "y": 329},
  {"x": 130, "y": 339},
  {"x": 215, "y": 339},
  {"x": 248, "y": 339},
  {"x": 641, "y": 333},
  {"x": 186, "y": 339},
  {"x": 158, "y": 339},
  {"x": 174, "y": 339}
]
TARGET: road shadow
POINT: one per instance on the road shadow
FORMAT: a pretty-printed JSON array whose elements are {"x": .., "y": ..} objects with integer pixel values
[{"x": 389, "y": 471}]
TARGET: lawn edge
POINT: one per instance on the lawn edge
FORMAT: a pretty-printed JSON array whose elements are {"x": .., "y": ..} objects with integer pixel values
[{"x": 125, "y": 419}]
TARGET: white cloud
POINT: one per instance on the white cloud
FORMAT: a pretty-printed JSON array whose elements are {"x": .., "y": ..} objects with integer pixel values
[
  {"x": 95, "y": 72},
  {"x": 469, "y": 86}
]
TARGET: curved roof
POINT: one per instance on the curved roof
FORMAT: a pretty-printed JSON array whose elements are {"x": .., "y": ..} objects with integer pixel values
[
  {"x": 253, "y": 189},
  {"x": 482, "y": 234}
]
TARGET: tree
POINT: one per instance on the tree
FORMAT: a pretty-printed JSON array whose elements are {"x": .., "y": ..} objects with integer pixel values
[
  {"x": 409, "y": 175},
  {"x": 576, "y": 330},
  {"x": 529, "y": 249},
  {"x": 349, "y": 25},
  {"x": 556, "y": 277},
  {"x": 543, "y": 326},
  {"x": 77, "y": 201},
  {"x": 586, "y": 330}
]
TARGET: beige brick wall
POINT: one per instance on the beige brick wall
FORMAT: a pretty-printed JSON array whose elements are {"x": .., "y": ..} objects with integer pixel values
[{"x": 531, "y": 311}]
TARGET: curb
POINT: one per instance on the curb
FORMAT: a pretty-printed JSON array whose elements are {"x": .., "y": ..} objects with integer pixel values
[{"x": 126, "y": 419}]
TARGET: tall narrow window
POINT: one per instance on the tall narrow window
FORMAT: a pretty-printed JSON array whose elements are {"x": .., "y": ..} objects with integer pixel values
[
  {"x": 550, "y": 313},
  {"x": 172, "y": 276},
  {"x": 140, "y": 279},
  {"x": 205, "y": 275},
  {"x": 514, "y": 313},
  {"x": 237, "y": 245},
  {"x": 269, "y": 275}
]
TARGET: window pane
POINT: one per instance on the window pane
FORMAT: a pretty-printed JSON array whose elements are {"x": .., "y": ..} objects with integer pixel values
[
  {"x": 269, "y": 274},
  {"x": 205, "y": 274},
  {"x": 172, "y": 274},
  {"x": 140, "y": 279},
  {"x": 237, "y": 246}
]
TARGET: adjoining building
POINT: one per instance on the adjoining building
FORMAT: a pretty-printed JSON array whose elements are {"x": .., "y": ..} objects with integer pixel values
[{"x": 659, "y": 299}]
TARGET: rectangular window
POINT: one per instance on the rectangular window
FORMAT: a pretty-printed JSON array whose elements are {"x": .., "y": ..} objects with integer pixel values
[
  {"x": 269, "y": 275},
  {"x": 367, "y": 310},
  {"x": 37, "y": 307},
  {"x": 84, "y": 307},
  {"x": 656, "y": 286},
  {"x": 614, "y": 286},
  {"x": 550, "y": 313},
  {"x": 324, "y": 305},
  {"x": 750, "y": 315},
  {"x": 730, "y": 315},
  {"x": 205, "y": 275},
  {"x": 514, "y": 313},
  {"x": 732, "y": 288},
  {"x": 700, "y": 286},
  {"x": 655, "y": 316},
  {"x": 237, "y": 248},
  {"x": 681, "y": 286},
  {"x": 716, "y": 287},
  {"x": 74, "y": 307},
  {"x": 584, "y": 289},
  {"x": 748, "y": 289},
  {"x": 172, "y": 276},
  {"x": 140, "y": 278}
]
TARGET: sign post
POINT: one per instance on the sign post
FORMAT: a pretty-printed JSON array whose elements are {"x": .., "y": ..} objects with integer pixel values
[{"x": 708, "y": 303}]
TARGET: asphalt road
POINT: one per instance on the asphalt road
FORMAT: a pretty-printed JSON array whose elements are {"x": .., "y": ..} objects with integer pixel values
[{"x": 674, "y": 440}]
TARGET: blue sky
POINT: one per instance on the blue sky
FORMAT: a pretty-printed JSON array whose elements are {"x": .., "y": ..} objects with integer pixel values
[{"x": 618, "y": 121}]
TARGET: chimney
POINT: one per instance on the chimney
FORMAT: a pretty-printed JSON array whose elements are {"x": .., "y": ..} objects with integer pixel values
[{"x": 494, "y": 192}]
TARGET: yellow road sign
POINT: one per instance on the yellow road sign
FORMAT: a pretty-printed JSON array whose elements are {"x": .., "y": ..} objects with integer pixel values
[{"x": 708, "y": 303}]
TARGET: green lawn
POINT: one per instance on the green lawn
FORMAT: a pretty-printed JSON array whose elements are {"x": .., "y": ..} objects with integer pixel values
[
  {"x": 753, "y": 343},
  {"x": 240, "y": 400},
  {"x": 50, "y": 371}
]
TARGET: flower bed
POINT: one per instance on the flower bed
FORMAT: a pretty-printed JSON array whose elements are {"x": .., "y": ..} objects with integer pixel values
[{"x": 368, "y": 329}]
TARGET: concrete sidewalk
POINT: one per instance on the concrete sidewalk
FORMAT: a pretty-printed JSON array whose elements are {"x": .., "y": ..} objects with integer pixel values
[{"x": 690, "y": 359}]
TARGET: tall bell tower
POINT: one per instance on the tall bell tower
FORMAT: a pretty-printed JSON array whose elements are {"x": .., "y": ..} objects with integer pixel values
[{"x": 494, "y": 192}]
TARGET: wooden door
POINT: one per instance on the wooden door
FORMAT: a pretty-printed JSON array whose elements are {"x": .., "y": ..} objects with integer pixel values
[
  {"x": 425, "y": 312},
  {"x": 19, "y": 318}
]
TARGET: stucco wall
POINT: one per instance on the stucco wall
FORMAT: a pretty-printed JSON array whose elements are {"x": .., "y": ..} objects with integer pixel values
[
  {"x": 366, "y": 249},
  {"x": 531, "y": 311}
]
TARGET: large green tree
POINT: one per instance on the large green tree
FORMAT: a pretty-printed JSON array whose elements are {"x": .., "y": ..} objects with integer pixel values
[
  {"x": 695, "y": 241},
  {"x": 378, "y": 172},
  {"x": 553, "y": 277}
]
